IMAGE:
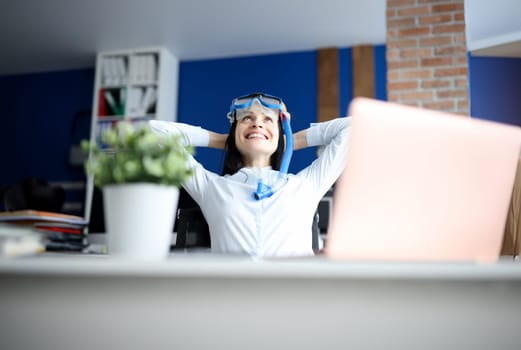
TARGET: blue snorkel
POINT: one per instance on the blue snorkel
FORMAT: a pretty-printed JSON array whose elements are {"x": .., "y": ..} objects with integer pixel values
[
  {"x": 263, "y": 190},
  {"x": 288, "y": 152}
]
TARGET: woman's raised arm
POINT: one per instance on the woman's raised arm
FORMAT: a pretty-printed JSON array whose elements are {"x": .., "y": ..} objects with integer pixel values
[
  {"x": 300, "y": 139},
  {"x": 217, "y": 140}
]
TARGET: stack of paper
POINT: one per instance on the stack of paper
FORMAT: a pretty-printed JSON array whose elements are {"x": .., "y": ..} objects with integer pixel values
[
  {"x": 16, "y": 240},
  {"x": 31, "y": 231}
]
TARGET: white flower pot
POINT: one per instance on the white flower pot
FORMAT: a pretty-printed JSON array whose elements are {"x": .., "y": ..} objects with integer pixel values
[{"x": 140, "y": 219}]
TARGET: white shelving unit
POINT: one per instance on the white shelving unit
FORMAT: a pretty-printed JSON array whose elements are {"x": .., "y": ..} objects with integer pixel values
[{"x": 133, "y": 85}]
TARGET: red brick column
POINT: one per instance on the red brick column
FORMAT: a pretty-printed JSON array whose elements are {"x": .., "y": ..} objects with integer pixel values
[{"x": 427, "y": 54}]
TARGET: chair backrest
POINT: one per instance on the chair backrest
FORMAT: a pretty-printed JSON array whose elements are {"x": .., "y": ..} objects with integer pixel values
[
  {"x": 190, "y": 225},
  {"x": 192, "y": 229},
  {"x": 315, "y": 232}
]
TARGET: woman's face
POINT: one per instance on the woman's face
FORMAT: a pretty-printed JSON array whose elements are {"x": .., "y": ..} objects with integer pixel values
[{"x": 257, "y": 134}]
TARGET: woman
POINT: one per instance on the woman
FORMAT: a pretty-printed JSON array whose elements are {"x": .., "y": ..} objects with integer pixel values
[{"x": 255, "y": 207}]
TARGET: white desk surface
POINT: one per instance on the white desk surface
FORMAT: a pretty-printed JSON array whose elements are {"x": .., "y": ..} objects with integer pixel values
[
  {"x": 205, "y": 264},
  {"x": 208, "y": 301}
]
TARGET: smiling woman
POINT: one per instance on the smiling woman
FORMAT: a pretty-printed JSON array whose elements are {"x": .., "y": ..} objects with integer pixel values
[
  {"x": 255, "y": 207},
  {"x": 257, "y": 129}
]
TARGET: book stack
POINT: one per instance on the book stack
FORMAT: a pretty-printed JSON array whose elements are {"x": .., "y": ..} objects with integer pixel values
[
  {"x": 31, "y": 231},
  {"x": 143, "y": 68},
  {"x": 114, "y": 69}
]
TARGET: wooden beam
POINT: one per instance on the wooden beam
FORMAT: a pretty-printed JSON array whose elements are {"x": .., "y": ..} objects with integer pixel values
[
  {"x": 363, "y": 71},
  {"x": 327, "y": 66}
]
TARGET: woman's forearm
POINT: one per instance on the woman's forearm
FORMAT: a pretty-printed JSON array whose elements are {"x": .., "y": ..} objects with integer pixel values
[
  {"x": 299, "y": 140},
  {"x": 217, "y": 140}
]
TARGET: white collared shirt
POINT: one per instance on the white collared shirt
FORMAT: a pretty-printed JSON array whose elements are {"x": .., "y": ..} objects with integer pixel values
[{"x": 279, "y": 225}]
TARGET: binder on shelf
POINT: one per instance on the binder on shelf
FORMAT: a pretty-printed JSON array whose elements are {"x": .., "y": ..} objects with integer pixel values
[
  {"x": 132, "y": 69},
  {"x": 114, "y": 71},
  {"x": 149, "y": 99},
  {"x": 106, "y": 71},
  {"x": 102, "y": 105},
  {"x": 136, "y": 69},
  {"x": 115, "y": 98},
  {"x": 141, "y": 101},
  {"x": 103, "y": 125},
  {"x": 133, "y": 101},
  {"x": 143, "y": 68},
  {"x": 111, "y": 102},
  {"x": 150, "y": 68},
  {"x": 121, "y": 70},
  {"x": 122, "y": 100}
]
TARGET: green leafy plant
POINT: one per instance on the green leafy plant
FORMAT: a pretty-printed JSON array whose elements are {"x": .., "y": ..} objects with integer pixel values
[{"x": 137, "y": 154}]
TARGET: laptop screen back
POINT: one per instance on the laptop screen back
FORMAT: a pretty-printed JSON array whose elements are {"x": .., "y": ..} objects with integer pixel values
[{"x": 421, "y": 185}]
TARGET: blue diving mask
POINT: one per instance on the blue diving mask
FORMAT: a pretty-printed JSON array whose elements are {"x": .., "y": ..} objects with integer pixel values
[{"x": 268, "y": 101}]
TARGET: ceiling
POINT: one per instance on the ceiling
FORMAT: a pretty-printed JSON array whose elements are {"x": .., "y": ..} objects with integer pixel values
[
  {"x": 493, "y": 27},
  {"x": 47, "y": 35}
]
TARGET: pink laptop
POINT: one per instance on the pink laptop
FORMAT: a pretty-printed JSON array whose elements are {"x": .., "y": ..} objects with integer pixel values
[{"x": 421, "y": 185}]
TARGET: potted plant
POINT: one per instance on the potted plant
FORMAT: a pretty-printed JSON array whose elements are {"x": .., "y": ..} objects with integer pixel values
[{"x": 139, "y": 173}]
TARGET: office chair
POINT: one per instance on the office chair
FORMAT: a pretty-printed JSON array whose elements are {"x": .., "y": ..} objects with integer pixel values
[
  {"x": 192, "y": 229},
  {"x": 321, "y": 219},
  {"x": 190, "y": 225}
]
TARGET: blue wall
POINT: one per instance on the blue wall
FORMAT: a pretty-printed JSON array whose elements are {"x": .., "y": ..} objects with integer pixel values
[
  {"x": 495, "y": 92},
  {"x": 38, "y": 110}
]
